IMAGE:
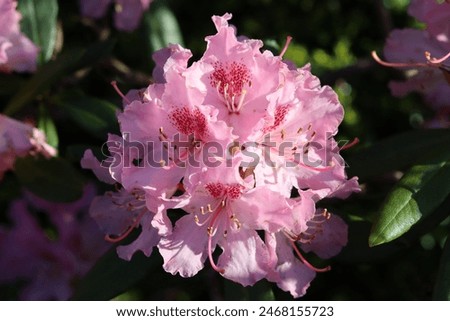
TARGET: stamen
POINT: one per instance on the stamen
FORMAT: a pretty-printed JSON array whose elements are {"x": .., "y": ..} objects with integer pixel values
[
  {"x": 304, "y": 261},
  {"x": 211, "y": 231},
  {"x": 236, "y": 221},
  {"x": 241, "y": 100},
  {"x": 397, "y": 64},
  {"x": 127, "y": 232},
  {"x": 436, "y": 60},
  {"x": 161, "y": 133},
  {"x": 211, "y": 260},
  {"x": 286, "y": 45},
  {"x": 116, "y": 88},
  {"x": 350, "y": 145}
]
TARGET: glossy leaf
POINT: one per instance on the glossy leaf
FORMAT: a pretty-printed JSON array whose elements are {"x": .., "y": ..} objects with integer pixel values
[
  {"x": 442, "y": 285},
  {"x": 96, "y": 116},
  {"x": 420, "y": 191},
  {"x": 39, "y": 23},
  {"x": 398, "y": 152},
  {"x": 161, "y": 27},
  {"x": 53, "y": 179},
  {"x": 112, "y": 276},
  {"x": 52, "y": 72},
  {"x": 47, "y": 125}
]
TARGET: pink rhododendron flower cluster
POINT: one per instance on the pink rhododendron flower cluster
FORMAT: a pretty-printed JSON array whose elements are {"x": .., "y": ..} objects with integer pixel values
[
  {"x": 242, "y": 143},
  {"x": 19, "y": 139},
  {"x": 427, "y": 52},
  {"x": 48, "y": 260},
  {"x": 127, "y": 13},
  {"x": 17, "y": 52}
]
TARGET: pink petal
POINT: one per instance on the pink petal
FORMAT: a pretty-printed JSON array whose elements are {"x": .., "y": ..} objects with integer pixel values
[
  {"x": 147, "y": 239},
  {"x": 17, "y": 52},
  {"x": 244, "y": 256},
  {"x": 289, "y": 273},
  {"x": 331, "y": 240},
  {"x": 101, "y": 170},
  {"x": 94, "y": 9},
  {"x": 185, "y": 250}
]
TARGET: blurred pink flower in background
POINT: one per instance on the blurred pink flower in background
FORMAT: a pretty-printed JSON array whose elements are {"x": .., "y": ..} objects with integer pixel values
[
  {"x": 17, "y": 52},
  {"x": 49, "y": 246},
  {"x": 19, "y": 139},
  {"x": 127, "y": 13},
  {"x": 425, "y": 54}
]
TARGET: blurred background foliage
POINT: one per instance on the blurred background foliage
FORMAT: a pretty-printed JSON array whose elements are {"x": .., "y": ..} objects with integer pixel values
[{"x": 336, "y": 37}]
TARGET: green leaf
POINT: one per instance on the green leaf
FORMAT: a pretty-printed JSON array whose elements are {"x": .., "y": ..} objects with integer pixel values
[
  {"x": 39, "y": 22},
  {"x": 400, "y": 151},
  {"x": 46, "y": 124},
  {"x": 442, "y": 285},
  {"x": 112, "y": 276},
  {"x": 53, "y": 179},
  {"x": 161, "y": 27},
  {"x": 96, "y": 116},
  {"x": 53, "y": 71},
  {"x": 420, "y": 191}
]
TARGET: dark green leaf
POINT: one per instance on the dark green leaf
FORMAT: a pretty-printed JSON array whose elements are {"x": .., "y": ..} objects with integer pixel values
[
  {"x": 96, "y": 116},
  {"x": 420, "y": 191},
  {"x": 161, "y": 27},
  {"x": 111, "y": 276},
  {"x": 46, "y": 124},
  {"x": 442, "y": 285},
  {"x": 39, "y": 22},
  {"x": 53, "y": 71},
  {"x": 53, "y": 179},
  {"x": 398, "y": 152}
]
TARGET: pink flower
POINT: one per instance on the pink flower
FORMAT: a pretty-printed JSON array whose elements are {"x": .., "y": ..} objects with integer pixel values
[
  {"x": 127, "y": 13},
  {"x": 17, "y": 52},
  {"x": 323, "y": 234},
  {"x": 19, "y": 139},
  {"x": 425, "y": 52},
  {"x": 118, "y": 213},
  {"x": 223, "y": 210},
  {"x": 227, "y": 139},
  {"x": 48, "y": 259}
]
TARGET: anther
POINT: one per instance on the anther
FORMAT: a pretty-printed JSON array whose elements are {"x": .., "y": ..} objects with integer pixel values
[{"x": 286, "y": 45}]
